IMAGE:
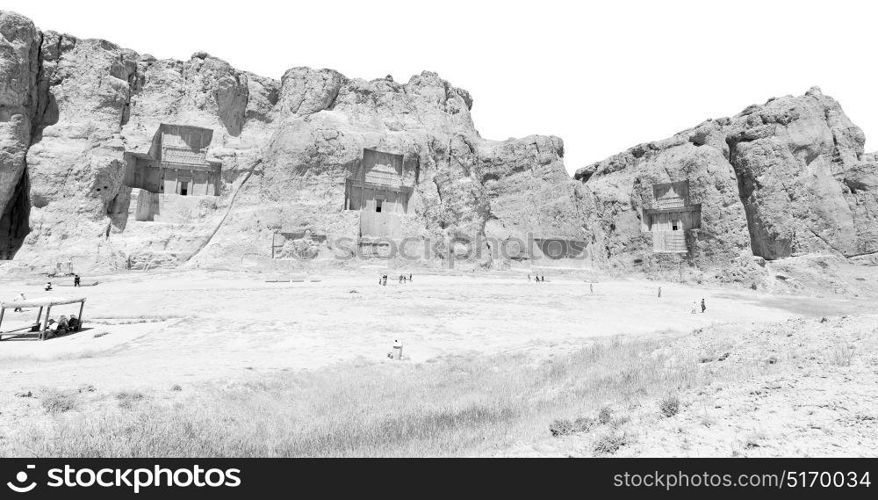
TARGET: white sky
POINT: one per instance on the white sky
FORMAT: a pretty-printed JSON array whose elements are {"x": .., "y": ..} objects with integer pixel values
[{"x": 602, "y": 77}]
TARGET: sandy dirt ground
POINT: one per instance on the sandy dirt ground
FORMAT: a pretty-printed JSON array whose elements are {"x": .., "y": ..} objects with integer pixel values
[
  {"x": 814, "y": 396},
  {"x": 149, "y": 331}
]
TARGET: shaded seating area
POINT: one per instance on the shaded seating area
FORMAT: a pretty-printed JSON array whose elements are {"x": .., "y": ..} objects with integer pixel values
[{"x": 41, "y": 327}]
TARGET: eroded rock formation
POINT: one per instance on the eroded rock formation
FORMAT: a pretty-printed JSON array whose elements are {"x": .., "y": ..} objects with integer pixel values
[
  {"x": 72, "y": 108},
  {"x": 786, "y": 178},
  {"x": 19, "y": 106}
]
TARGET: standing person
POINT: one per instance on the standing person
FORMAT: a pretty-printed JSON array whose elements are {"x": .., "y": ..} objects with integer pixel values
[
  {"x": 20, "y": 298},
  {"x": 703, "y": 306},
  {"x": 660, "y": 292},
  {"x": 76, "y": 280},
  {"x": 591, "y": 287},
  {"x": 410, "y": 277}
]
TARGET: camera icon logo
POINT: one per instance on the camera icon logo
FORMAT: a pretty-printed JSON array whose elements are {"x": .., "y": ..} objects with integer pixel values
[{"x": 20, "y": 479}]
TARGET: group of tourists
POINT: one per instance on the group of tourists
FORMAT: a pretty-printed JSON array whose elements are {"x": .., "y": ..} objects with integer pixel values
[
  {"x": 63, "y": 325},
  {"x": 60, "y": 327},
  {"x": 539, "y": 278},
  {"x": 382, "y": 280},
  {"x": 54, "y": 327},
  {"x": 77, "y": 281},
  {"x": 695, "y": 306}
]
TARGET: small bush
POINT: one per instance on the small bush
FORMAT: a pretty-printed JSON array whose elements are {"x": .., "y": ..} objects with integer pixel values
[
  {"x": 56, "y": 402},
  {"x": 127, "y": 399},
  {"x": 583, "y": 424},
  {"x": 670, "y": 406},
  {"x": 609, "y": 444},
  {"x": 561, "y": 427},
  {"x": 605, "y": 415}
]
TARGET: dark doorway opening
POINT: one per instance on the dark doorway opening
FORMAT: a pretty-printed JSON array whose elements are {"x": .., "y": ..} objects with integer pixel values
[
  {"x": 378, "y": 204},
  {"x": 184, "y": 188}
]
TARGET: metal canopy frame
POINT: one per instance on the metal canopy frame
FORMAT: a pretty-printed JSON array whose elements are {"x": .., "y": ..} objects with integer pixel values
[{"x": 42, "y": 323}]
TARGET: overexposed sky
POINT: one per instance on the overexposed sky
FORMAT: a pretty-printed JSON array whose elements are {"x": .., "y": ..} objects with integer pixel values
[{"x": 603, "y": 77}]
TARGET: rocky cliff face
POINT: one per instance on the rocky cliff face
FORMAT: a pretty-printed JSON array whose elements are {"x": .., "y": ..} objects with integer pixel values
[
  {"x": 19, "y": 68},
  {"x": 783, "y": 179},
  {"x": 71, "y": 108},
  {"x": 778, "y": 180}
]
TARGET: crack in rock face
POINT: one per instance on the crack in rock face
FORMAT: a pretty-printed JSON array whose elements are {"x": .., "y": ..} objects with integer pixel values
[{"x": 19, "y": 69}]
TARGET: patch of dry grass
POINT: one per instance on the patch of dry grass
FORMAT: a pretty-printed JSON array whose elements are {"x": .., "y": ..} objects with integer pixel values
[
  {"x": 56, "y": 402},
  {"x": 841, "y": 355},
  {"x": 454, "y": 406},
  {"x": 127, "y": 399}
]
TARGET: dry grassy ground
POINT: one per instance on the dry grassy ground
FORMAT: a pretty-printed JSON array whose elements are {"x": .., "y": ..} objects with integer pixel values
[{"x": 221, "y": 365}]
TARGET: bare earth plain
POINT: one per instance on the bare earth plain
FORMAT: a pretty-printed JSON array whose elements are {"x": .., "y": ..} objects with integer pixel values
[{"x": 226, "y": 364}]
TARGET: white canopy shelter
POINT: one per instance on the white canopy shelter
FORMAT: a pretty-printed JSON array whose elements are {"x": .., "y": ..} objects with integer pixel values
[{"x": 42, "y": 322}]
